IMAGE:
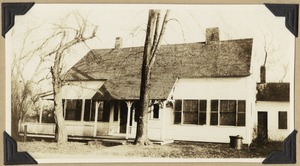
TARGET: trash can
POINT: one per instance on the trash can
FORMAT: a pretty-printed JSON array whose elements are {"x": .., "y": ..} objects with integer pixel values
[{"x": 236, "y": 142}]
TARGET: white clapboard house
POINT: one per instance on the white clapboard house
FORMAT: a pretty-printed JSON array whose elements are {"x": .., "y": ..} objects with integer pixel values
[
  {"x": 273, "y": 110},
  {"x": 201, "y": 91}
]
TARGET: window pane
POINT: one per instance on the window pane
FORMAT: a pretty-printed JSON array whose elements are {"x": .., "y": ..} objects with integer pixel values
[
  {"x": 282, "y": 120},
  {"x": 227, "y": 118},
  {"x": 214, "y": 119},
  {"x": 116, "y": 111},
  {"x": 190, "y": 118},
  {"x": 228, "y": 106},
  {"x": 156, "y": 111},
  {"x": 73, "y": 110},
  {"x": 214, "y": 105},
  {"x": 100, "y": 112},
  {"x": 177, "y": 118},
  {"x": 241, "y": 119},
  {"x": 202, "y": 118},
  {"x": 63, "y": 106},
  {"x": 178, "y": 104},
  {"x": 87, "y": 110},
  {"x": 190, "y": 106},
  {"x": 203, "y": 105},
  {"x": 228, "y": 112},
  {"x": 106, "y": 110},
  {"x": 241, "y": 106},
  {"x": 93, "y": 110}
]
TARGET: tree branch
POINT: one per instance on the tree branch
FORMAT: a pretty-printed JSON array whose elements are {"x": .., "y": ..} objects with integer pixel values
[{"x": 163, "y": 29}]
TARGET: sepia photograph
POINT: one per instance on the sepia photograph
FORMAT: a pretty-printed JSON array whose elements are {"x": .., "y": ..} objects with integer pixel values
[{"x": 123, "y": 82}]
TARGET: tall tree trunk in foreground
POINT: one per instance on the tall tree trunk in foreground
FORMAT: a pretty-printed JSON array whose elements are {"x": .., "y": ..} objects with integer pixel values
[
  {"x": 61, "y": 134},
  {"x": 152, "y": 44}
]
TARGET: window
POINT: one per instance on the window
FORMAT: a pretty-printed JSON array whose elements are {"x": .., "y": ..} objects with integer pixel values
[
  {"x": 116, "y": 112},
  {"x": 214, "y": 112},
  {"x": 177, "y": 112},
  {"x": 282, "y": 120},
  {"x": 155, "y": 111},
  {"x": 227, "y": 112},
  {"x": 190, "y": 112},
  {"x": 73, "y": 110},
  {"x": 232, "y": 112},
  {"x": 103, "y": 111},
  {"x": 90, "y": 109},
  {"x": 202, "y": 112},
  {"x": 241, "y": 117}
]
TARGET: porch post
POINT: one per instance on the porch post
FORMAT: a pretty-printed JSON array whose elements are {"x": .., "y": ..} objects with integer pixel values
[
  {"x": 41, "y": 112},
  {"x": 119, "y": 112},
  {"x": 129, "y": 104},
  {"x": 82, "y": 110},
  {"x": 133, "y": 115},
  {"x": 96, "y": 118},
  {"x": 163, "y": 120},
  {"x": 65, "y": 108},
  {"x": 111, "y": 118}
]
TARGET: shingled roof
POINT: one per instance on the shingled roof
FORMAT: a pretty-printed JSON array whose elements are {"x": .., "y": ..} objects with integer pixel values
[
  {"x": 121, "y": 67},
  {"x": 273, "y": 91}
]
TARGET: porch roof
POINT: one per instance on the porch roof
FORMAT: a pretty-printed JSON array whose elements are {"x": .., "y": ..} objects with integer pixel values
[
  {"x": 78, "y": 90},
  {"x": 121, "y": 67}
]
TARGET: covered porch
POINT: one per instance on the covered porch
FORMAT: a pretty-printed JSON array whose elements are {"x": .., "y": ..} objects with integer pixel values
[
  {"x": 90, "y": 110},
  {"x": 95, "y": 119}
]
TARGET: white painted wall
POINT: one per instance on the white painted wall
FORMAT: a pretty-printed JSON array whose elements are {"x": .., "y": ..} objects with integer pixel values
[
  {"x": 272, "y": 108},
  {"x": 206, "y": 88},
  {"x": 213, "y": 88}
]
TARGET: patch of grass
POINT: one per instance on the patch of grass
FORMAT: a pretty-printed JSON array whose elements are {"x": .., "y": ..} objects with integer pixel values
[
  {"x": 266, "y": 147},
  {"x": 52, "y": 147},
  {"x": 178, "y": 149}
]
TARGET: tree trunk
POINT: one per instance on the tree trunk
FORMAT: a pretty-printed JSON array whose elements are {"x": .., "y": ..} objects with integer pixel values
[
  {"x": 152, "y": 44},
  {"x": 142, "y": 124},
  {"x": 61, "y": 134}
]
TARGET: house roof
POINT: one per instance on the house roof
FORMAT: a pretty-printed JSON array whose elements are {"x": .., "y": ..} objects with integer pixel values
[
  {"x": 273, "y": 92},
  {"x": 121, "y": 67}
]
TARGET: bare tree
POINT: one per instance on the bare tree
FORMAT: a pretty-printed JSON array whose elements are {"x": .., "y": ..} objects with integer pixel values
[
  {"x": 66, "y": 42},
  {"x": 53, "y": 49},
  {"x": 269, "y": 49},
  {"x": 285, "y": 71},
  {"x": 154, "y": 35},
  {"x": 24, "y": 97}
]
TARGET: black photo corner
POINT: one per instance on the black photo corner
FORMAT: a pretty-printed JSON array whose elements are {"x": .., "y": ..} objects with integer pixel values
[{"x": 286, "y": 156}]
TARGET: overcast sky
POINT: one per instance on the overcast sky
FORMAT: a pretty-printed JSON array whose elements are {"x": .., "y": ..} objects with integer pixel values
[{"x": 129, "y": 22}]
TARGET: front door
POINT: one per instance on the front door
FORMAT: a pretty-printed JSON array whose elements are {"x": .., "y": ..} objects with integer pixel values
[
  {"x": 123, "y": 117},
  {"x": 262, "y": 125}
]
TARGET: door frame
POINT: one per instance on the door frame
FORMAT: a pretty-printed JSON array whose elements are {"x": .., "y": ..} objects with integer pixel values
[{"x": 262, "y": 116}]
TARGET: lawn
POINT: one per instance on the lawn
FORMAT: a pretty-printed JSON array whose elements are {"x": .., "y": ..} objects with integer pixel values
[{"x": 178, "y": 149}]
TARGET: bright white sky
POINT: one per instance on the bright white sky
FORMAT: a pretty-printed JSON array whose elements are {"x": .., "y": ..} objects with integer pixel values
[{"x": 234, "y": 22}]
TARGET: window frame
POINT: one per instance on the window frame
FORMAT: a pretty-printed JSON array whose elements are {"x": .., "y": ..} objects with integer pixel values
[
  {"x": 286, "y": 122},
  {"x": 182, "y": 110},
  {"x": 237, "y": 112},
  {"x": 152, "y": 111},
  {"x": 78, "y": 108}
]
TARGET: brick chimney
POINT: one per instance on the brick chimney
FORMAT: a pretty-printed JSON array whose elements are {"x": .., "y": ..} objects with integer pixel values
[
  {"x": 263, "y": 74},
  {"x": 118, "y": 43},
  {"x": 212, "y": 34}
]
